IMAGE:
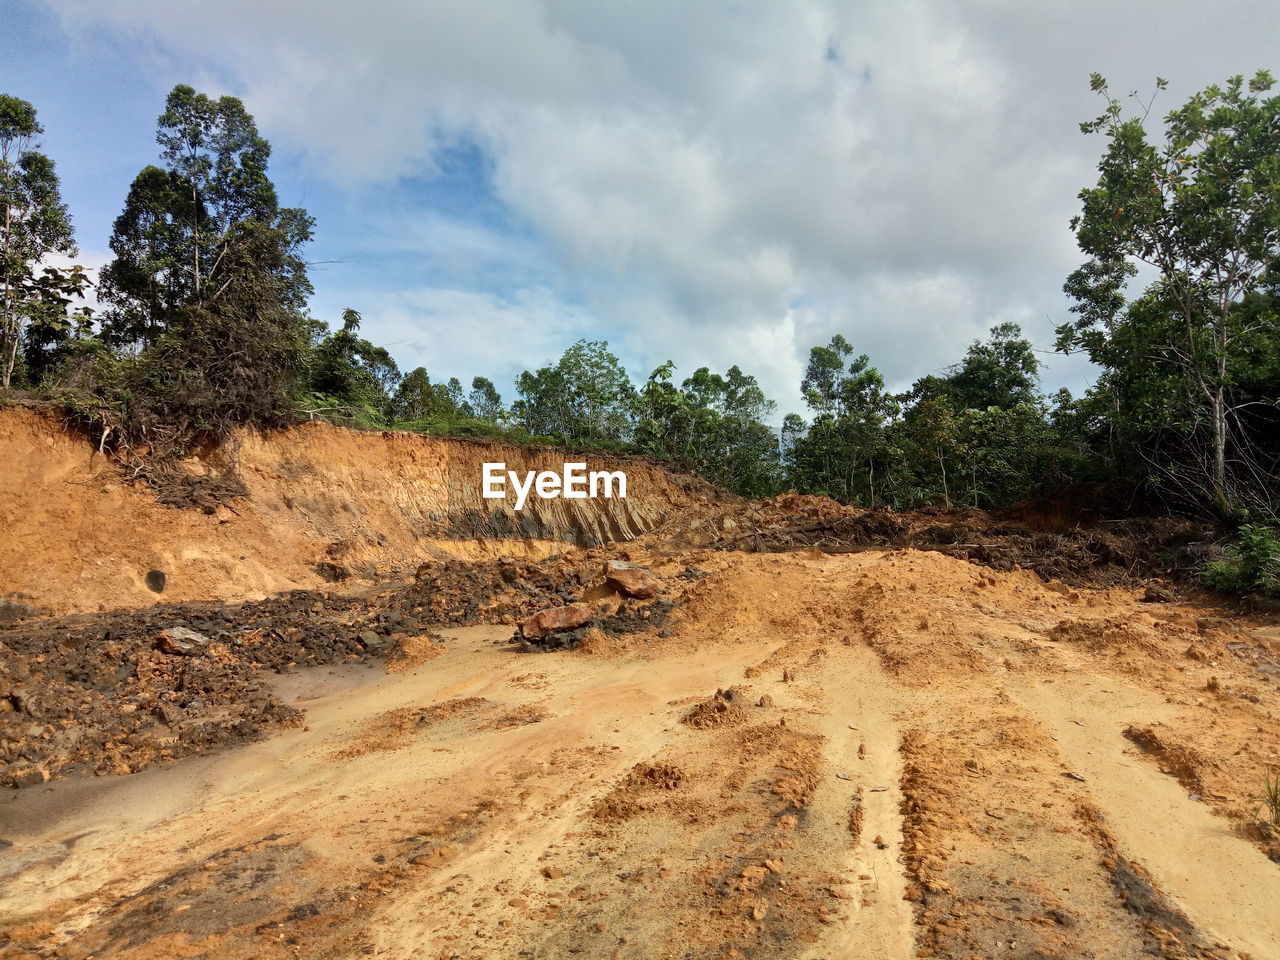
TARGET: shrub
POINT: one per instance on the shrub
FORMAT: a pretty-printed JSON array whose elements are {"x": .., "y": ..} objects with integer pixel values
[{"x": 1252, "y": 563}]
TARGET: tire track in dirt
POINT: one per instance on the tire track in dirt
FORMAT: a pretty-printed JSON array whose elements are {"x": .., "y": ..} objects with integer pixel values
[
  {"x": 860, "y": 798},
  {"x": 1223, "y": 883}
]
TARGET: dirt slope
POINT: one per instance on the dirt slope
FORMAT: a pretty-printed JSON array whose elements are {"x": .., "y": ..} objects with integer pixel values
[
  {"x": 883, "y": 754},
  {"x": 322, "y": 500}
]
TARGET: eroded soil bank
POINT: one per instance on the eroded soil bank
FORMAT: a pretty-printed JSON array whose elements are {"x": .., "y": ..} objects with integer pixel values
[{"x": 323, "y": 503}]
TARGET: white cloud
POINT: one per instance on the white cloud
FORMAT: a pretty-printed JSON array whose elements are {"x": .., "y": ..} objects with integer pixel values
[{"x": 902, "y": 172}]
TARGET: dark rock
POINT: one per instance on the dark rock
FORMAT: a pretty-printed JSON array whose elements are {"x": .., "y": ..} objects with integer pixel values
[{"x": 332, "y": 572}]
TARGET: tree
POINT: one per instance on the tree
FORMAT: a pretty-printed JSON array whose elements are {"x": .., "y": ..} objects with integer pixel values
[
  {"x": 183, "y": 223},
  {"x": 33, "y": 225},
  {"x": 1002, "y": 372},
  {"x": 845, "y": 451},
  {"x": 935, "y": 429},
  {"x": 418, "y": 399},
  {"x": 208, "y": 287},
  {"x": 349, "y": 370},
  {"x": 586, "y": 398},
  {"x": 484, "y": 401},
  {"x": 1203, "y": 209},
  {"x": 227, "y": 360}
]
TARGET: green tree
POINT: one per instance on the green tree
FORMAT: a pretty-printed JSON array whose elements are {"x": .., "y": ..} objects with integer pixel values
[
  {"x": 1002, "y": 372},
  {"x": 348, "y": 370},
  {"x": 418, "y": 399},
  {"x": 1202, "y": 208},
  {"x": 185, "y": 223},
  {"x": 845, "y": 452},
  {"x": 586, "y": 398},
  {"x": 934, "y": 428},
  {"x": 33, "y": 224},
  {"x": 484, "y": 402},
  {"x": 208, "y": 287}
]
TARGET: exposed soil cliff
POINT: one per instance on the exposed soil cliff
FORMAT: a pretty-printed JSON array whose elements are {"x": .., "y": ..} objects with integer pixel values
[{"x": 323, "y": 503}]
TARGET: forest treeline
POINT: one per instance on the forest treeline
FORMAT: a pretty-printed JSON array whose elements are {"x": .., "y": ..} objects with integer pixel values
[{"x": 204, "y": 325}]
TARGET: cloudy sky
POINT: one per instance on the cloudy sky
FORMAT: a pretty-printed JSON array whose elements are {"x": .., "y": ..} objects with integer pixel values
[{"x": 716, "y": 182}]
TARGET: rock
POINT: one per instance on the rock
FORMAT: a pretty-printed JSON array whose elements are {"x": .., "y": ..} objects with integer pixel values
[
  {"x": 12, "y": 611},
  {"x": 30, "y": 777},
  {"x": 332, "y": 572},
  {"x": 375, "y": 642},
  {"x": 766, "y": 701},
  {"x": 632, "y": 579},
  {"x": 552, "y": 873},
  {"x": 555, "y": 619},
  {"x": 182, "y": 642}
]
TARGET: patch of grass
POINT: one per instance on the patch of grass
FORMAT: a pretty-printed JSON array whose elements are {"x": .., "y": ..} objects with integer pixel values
[{"x": 1269, "y": 798}]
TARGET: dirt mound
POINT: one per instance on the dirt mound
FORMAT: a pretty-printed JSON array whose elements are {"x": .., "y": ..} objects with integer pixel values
[
  {"x": 640, "y": 791},
  {"x": 1113, "y": 552},
  {"x": 719, "y": 711},
  {"x": 1179, "y": 759}
]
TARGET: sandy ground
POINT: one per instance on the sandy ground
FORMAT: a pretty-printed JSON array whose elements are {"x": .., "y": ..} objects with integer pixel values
[{"x": 870, "y": 755}]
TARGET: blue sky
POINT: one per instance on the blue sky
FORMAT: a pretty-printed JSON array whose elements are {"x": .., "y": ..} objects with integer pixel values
[{"x": 728, "y": 182}]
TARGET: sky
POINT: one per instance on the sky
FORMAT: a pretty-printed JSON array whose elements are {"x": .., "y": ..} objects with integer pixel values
[{"x": 716, "y": 183}]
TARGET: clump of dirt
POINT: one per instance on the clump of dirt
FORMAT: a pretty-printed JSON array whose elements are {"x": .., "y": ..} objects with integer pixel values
[
  {"x": 639, "y": 791},
  {"x": 413, "y": 651},
  {"x": 519, "y": 717},
  {"x": 632, "y": 617},
  {"x": 486, "y": 592},
  {"x": 718, "y": 711},
  {"x": 395, "y": 729},
  {"x": 1105, "y": 634},
  {"x": 1183, "y": 761}
]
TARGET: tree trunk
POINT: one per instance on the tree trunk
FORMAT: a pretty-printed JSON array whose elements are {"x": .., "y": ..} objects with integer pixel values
[
  {"x": 946, "y": 496},
  {"x": 1219, "y": 414},
  {"x": 8, "y": 308}
]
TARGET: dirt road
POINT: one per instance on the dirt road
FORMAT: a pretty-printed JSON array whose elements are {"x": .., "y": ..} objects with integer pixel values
[{"x": 884, "y": 754}]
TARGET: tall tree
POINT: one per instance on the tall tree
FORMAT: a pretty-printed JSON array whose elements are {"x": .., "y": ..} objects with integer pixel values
[
  {"x": 33, "y": 225},
  {"x": 183, "y": 223},
  {"x": 484, "y": 401},
  {"x": 1202, "y": 208},
  {"x": 845, "y": 451},
  {"x": 1000, "y": 372},
  {"x": 348, "y": 369},
  {"x": 585, "y": 398}
]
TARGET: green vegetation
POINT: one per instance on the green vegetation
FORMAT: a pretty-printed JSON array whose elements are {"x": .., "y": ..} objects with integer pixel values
[
  {"x": 1269, "y": 799},
  {"x": 1252, "y": 563},
  {"x": 205, "y": 327}
]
